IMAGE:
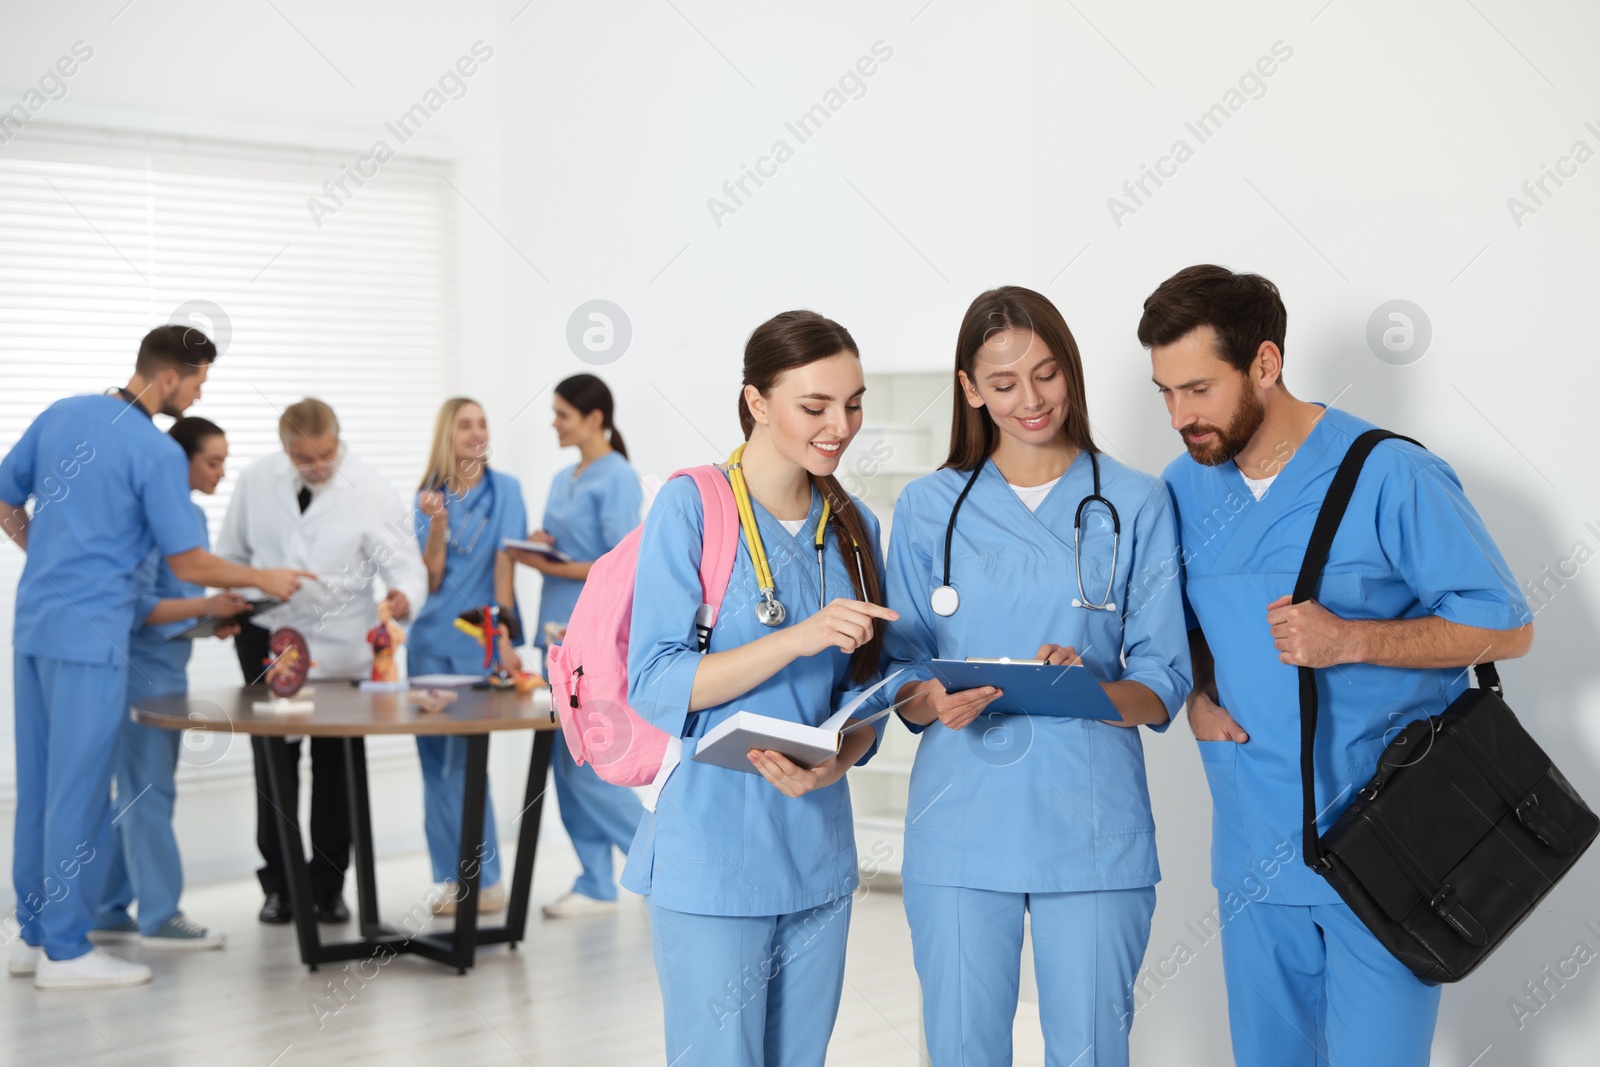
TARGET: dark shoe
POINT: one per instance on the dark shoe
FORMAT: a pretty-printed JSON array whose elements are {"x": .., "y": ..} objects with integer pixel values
[
  {"x": 276, "y": 910},
  {"x": 333, "y": 911}
]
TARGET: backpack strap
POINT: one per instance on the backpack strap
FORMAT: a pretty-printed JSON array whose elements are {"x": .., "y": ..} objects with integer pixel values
[
  {"x": 719, "y": 545},
  {"x": 1305, "y": 587}
]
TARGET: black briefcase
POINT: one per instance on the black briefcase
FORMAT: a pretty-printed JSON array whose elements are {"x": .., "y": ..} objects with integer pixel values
[{"x": 1465, "y": 826}]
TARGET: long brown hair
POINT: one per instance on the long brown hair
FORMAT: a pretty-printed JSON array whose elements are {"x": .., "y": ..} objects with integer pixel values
[
  {"x": 781, "y": 344},
  {"x": 972, "y": 430}
]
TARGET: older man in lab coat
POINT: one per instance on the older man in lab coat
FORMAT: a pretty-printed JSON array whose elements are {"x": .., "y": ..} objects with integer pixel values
[{"x": 316, "y": 503}]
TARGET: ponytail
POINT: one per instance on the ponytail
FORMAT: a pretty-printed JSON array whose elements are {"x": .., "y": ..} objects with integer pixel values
[
  {"x": 616, "y": 440},
  {"x": 850, "y": 529}
]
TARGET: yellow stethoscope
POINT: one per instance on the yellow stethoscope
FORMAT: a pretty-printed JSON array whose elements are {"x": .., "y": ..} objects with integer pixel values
[{"x": 771, "y": 612}]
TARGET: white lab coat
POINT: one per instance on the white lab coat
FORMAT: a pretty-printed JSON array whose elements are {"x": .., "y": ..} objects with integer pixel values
[{"x": 357, "y": 529}]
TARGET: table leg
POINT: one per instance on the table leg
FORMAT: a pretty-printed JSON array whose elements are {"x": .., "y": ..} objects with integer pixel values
[
  {"x": 279, "y": 771},
  {"x": 355, "y": 756},
  {"x": 528, "y": 836},
  {"x": 469, "y": 869}
]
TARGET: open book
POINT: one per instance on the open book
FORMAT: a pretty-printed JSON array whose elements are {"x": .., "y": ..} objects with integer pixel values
[{"x": 728, "y": 744}]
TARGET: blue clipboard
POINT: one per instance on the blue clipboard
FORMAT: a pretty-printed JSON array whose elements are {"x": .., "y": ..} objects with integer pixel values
[{"x": 1030, "y": 687}]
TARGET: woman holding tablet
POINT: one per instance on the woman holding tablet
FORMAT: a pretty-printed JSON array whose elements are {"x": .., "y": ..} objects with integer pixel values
[
  {"x": 1030, "y": 543},
  {"x": 592, "y": 505},
  {"x": 463, "y": 514},
  {"x": 750, "y": 875}
]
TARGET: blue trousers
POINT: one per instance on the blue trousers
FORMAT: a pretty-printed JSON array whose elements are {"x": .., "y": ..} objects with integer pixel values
[
  {"x": 739, "y": 991},
  {"x": 1087, "y": 949},
  {"x": 598, "y": 816},
  {"x": 444, "y": 776},
  {"x": 68, "y": 716},
  {"x": 1309, "y": 986},
  {"x": 144, "y": 864}
]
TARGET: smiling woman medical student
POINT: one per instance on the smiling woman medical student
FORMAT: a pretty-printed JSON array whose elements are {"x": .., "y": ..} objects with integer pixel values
[
  {"x": 750, "y": 875},
  {"x": 592, "y": 505},
  {"x": 464, "y": 512},
  {"x": 1016, "y": 813}
]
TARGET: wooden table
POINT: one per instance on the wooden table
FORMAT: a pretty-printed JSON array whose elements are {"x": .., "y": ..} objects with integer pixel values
[{"x": 345, "y": 711}]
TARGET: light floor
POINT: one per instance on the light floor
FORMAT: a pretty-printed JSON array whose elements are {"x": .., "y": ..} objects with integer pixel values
[{"x": 577, "y": 992}]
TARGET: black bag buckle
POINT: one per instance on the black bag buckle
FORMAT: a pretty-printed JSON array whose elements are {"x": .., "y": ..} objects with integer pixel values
[
  {"x": 1448, "y": 908},
  {"x": 1547, "y": 830}
]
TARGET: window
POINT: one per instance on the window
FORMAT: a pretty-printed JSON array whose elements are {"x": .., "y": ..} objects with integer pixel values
[{"x": 106, "y": 233}]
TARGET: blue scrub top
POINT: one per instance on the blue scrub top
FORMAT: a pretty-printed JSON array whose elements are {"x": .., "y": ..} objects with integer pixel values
[
  {"x": 723, "y": 842},
  {"x": 157, "y": 666},
  {"x": 1410, "y": 546},
  {"x": 587, "y": 514},
  {"x": 107, "y": 487},
  {"x": 479, "y": 522},
  {"x": 1021, "y": 803}
]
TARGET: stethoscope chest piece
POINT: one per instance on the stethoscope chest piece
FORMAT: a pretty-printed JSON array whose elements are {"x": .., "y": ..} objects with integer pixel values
[
  {"x": 945, "y": 601},
  {"x": 770, "y": 612}
]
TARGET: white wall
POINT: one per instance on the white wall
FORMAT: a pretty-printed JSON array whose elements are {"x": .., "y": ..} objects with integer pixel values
[{"x": 1375, "y": 165}]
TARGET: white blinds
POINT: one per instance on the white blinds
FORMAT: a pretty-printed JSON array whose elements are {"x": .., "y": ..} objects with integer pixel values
[{"x": 106, "y": 233}]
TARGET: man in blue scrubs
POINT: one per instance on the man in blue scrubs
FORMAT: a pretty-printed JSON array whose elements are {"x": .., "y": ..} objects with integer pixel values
[
  {"x": 107, "y": 486},
  {"x": 1413, "y": 592}
]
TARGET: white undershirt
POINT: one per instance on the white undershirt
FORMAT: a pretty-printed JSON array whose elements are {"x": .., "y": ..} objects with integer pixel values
[
  {"x": 792, "y": 525},
  {"x": 1258, "y": 486},
  {"x": 1033, "y": 495}
]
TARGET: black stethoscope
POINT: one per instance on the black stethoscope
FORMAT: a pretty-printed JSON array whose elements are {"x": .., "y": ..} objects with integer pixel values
[{"x": 945, "y": 600}]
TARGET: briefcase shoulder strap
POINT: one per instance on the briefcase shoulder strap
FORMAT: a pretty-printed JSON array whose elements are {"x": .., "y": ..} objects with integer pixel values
[{"x": 1334, "y": 505}]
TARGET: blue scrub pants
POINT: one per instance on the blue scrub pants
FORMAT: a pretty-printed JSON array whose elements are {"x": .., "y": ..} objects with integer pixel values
[
  {"x": 444, "y": 777},
  {"x": 144, "y": 861},
  {"x": 1310, "y": 986},
  {"x": 743, "y": 990},
  {"x": 68, "y": 716},
  {"x": 598, "y": 816},
  {"x": 1087, "y": 949}
]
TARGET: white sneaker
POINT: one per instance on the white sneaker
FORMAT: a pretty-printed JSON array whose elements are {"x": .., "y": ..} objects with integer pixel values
[
  {"x": 491, "y": 898},
  {"x": 182, "y": 934},
  {"x": 95, "y": 969},
  {"x": 576, "y": 906},
  {"x": 22, "y": 959}
]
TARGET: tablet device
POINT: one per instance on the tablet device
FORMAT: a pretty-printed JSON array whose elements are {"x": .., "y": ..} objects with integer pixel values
[{"x": 1030, "y": 687}]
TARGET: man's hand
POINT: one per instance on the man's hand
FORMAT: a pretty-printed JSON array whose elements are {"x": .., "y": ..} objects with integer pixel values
[
  {"x": 399, "y": 606},
  {"x": 1210, "y": 721},
  {"x": 1309, "y": 635}
]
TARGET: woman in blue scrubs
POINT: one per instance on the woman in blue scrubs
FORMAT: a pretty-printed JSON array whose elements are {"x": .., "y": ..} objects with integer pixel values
[
  {"x": 464, "y": 512},
  {"x": 593, "y": 504},
  {"x": 750, "y": 876},
  {"x": 1018, "y": 814},
  {"x": 145, "y": 864}
]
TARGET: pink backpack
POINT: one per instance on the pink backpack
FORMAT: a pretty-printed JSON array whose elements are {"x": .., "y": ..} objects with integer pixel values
[{"x": 588, "y": 671}]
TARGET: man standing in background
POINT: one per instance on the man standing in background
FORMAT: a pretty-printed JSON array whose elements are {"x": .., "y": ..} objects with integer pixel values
[
  {"x": 315, "y": 505},
  {"x": 107, "y": 486}
]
